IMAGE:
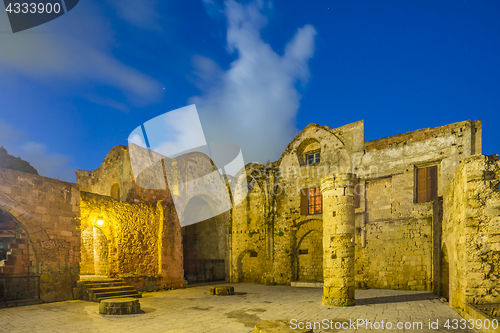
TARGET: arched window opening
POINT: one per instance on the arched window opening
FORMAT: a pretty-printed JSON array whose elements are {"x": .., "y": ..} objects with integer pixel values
[
  {"x": 309, "y": 152},
  {"x": 115, "y": 191}
]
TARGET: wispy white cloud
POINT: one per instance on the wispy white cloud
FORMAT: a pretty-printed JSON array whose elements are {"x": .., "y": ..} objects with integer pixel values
[
  {"x": 142, "y": 14},
  {"x": 74, "y": 49},
  {"x": 255, "y": 102},
  {"x": 8, "y": 133},
  {"x": 47, "y": 163}
]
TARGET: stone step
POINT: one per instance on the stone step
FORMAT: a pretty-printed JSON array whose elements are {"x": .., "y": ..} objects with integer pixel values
[
  {"x": 114, "y": 294},
  {"x": 124, "y": 296},
  {"x": 95, "y": 290},
  {"x": 104, "y": 285},
  {"x": 307, "y": 284},
  {"x": 90, "y": 282},
  {"x": 104, "y": 289},
  {"x": 91, "y": 292}
]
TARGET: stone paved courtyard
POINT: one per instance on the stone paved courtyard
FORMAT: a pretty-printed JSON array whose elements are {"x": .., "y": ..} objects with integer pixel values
[{"x": 194, "y": 310}]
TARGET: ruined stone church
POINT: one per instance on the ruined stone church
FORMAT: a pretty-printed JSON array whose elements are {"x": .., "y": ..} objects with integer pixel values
[{"x": 414, "y": 211}]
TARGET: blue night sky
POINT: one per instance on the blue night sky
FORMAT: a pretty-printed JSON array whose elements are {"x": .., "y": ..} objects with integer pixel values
[{"x": 75, "y": 87}]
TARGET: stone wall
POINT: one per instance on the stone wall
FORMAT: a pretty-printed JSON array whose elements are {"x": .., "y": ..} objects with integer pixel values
[
  {"x": 115, "y": 169},
  {"x": 116, "y": 174},
  {"x": 138, "y": 239},
  {"x": 397, "y": 251},
  {"x": 131, "y": 235},
  {"x": 48, "y": 211},
  {"x": 394, "y": 233},
  {"x": 470, "y": 238},
  {"x": 251, "y": 257},
  {"x": 267, "y": 234}
]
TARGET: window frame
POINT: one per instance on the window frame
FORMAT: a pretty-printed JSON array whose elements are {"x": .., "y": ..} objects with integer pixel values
[
  {"x": 316, "y": 157},
  {"x": 426, "y": 183},
  {"x": 306, "y": 198}
]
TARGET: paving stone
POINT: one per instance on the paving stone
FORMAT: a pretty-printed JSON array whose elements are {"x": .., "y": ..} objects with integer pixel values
[{"x": 195, "y": 310}]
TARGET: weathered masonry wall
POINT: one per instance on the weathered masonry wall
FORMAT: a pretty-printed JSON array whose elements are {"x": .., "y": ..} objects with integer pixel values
[
  {"x": 114, "y": 170},
  {"x": 471, "y": 228},
  {"x": 48, "y": 210},
  {"x": 128, "y": 233},
  {"x": 127, "y": 240},
  {"x": 271, "y": 240},
  {"x": 115, "y": 179},
  {"x": 251, "y": 255},
  {"x": 394, "y": 234},
  {"x": 398, "y": 252}
]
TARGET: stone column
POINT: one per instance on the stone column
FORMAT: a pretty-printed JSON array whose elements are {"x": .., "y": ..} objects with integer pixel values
[{"x": 338, "y": 239}]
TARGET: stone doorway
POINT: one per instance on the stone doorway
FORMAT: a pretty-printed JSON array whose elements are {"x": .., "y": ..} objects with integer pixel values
[
  {"x": 204, "y": 244},
  {"x": 310, "y": 257},
  {"x": 95, "y": 252},
  {"x": 307, "y": 259}
]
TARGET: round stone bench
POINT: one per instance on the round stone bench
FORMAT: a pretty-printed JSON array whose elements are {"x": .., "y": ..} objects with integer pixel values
[
  {"x": 119, "y": 306},
  {"x": 222, "y": 291},
  {"x": 277, "y": 326}
]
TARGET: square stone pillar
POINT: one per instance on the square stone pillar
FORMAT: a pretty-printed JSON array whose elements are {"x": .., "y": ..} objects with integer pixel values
[{"x": 338, "y": 239}]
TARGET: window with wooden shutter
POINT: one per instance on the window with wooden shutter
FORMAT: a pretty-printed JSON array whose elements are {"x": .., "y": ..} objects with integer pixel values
[
  {"x": 427, "y": 184},
  {"x": 311, "y": 201},
  {"x": 304, "y": 194}
]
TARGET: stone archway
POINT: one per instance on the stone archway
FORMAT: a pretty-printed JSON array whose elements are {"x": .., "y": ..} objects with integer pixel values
[
  {"x": 16, "y": 253},
  {"x": 95, "y": 252},
  {"x": 47, "y": 210},
  {"x": 444, "y": 280},
  {"x": 25, "y": 221},
  {"x": 308, "y": 256}
]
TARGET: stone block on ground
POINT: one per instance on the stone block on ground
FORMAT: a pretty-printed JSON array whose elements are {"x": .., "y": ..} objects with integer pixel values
[
  {"x": 119, "y": 306},
  {"x": 222, "y": 291}
]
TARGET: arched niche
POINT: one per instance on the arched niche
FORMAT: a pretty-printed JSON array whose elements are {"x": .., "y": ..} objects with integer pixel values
[
  {"x": 94, "y": 252},
  {"x": 115, "y": 191},
  {"x": 309, "y": 146}
]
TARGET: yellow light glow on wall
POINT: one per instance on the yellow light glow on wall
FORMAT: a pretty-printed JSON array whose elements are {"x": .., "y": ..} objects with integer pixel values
[{"x": 100, "y": 223}]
